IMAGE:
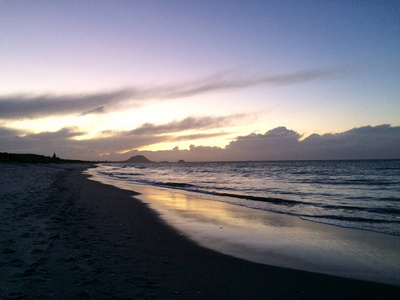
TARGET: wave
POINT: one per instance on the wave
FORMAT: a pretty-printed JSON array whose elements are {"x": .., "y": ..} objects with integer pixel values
[
  {"x": 358, "y": 196},
  {"x": 216, "y": 191},
  {"x": 261, "y": 199},
  {"x": 348, "y": 219},
  {"x": 175, "y": 184},
  {"x": 349, "y": 182}
]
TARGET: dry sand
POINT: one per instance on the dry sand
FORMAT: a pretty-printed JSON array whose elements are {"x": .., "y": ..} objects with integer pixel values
[{"x": 64, "y": 236}]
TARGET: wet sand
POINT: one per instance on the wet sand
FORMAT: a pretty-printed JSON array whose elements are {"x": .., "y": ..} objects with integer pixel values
[
  {"x": 277, "y": 239},
  {"x": 64, "y": 236}
]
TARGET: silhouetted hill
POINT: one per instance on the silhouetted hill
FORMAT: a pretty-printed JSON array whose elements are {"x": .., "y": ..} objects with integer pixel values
[{"x": 138, "y": 159}]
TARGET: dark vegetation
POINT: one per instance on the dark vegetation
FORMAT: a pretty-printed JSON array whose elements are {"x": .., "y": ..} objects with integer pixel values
[{"x": 33, "y": 158}]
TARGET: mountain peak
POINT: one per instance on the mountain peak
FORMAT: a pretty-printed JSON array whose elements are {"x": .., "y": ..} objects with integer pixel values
[{"x": 137, "y": 159}]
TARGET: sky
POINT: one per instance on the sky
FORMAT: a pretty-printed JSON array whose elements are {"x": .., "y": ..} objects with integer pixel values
[{"x": 200, "y": 80}]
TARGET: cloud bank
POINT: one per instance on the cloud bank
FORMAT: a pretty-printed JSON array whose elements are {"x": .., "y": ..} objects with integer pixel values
[
  {"x": 282, "y": 144},
  {"x": 30, "y": 106},
  {"x": 36, "y": 106},
  {"x": 191, "y": 123},
  {"x": 379, "y": 142}
]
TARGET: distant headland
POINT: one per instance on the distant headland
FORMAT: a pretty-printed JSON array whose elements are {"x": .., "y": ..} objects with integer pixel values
[
  {"x": 141, "y": 159},
  {"x": 36, "y": 158},
  {"x": 138, "y": 159}
]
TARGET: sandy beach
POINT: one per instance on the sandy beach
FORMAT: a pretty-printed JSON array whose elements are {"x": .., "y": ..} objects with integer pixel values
[{"x": 67, "y": 237}]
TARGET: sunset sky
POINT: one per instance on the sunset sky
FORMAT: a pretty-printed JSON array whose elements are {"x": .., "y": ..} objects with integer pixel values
[{"x": 107, "y": 79}]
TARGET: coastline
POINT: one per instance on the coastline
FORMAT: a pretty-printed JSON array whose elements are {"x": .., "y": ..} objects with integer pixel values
[
  {"x": 103, "y": 243},
  {"x": 277, "y": 239},
  {"x": 271, "y": 238}
]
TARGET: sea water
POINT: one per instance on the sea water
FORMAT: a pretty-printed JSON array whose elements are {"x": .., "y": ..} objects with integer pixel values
[{"x": 355, "y": 194}]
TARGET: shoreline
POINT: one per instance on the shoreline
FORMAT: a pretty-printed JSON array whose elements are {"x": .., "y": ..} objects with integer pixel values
[
  {"x": 101, "y": 242},
  {"x": 273, "y": 239}
]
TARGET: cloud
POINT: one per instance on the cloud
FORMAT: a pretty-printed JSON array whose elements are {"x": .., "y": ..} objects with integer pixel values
[
  {"x": 368, "y": 142},
  {"x": 36, "y": 106},
  {"x": 191, "y": 123},
  {"x": 191, "y": 137},
  {"x": 9, "y": 132},
  {"x": 65, "y": 144},
  {"x": 119, "y": 143},
  {"x": 62, "y": 134},
  {"x": 282, "y": 144},
  {"x": 279, "y": 132},
  {"x": 41, "y": 143},
  {"x": 276, "y": 144},
  {"x": 225, "y": 82},
  {"x": 359, "y": 143},
  {"x": 379, "y": 142},
  {"x": 30, "y": 106},
  {"x": 68, "y": 142},
  {"x": 98, "y": 110}
]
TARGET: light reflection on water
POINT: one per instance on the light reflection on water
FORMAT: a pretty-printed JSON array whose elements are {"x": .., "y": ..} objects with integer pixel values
[
  {"x": 355, "y": 194},
  {"x": 274, "y": 239}
]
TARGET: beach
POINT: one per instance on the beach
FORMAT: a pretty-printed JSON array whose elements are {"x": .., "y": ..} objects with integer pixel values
[{"x": 65, "y": 236}]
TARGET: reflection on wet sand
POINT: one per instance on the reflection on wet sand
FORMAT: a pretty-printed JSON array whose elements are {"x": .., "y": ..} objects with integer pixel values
[{"x": 277, "y": 239}]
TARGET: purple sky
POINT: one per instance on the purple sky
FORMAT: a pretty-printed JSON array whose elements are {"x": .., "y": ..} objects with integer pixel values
[{"x": 107, "y": 79}]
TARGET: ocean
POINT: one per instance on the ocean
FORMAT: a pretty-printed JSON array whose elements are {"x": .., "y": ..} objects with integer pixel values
[{"x": 360, "y": 194}]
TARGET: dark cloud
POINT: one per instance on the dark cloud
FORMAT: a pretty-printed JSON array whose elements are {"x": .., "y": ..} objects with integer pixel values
[
  {"x": 278, "y": 143},
  {"x": 41, "y": 143},
  {"x": 35, "y": 106},
  {"x": 66, "y": 144},
  {"x": 283, "y": 144},
  {"x": 229, "y": 82},
  {"x": 98, "y": 110},
  {"x": 359, "y": 143},
  {"x": 191, "y": 123},
  {"x": 8, "y": 132},
  {"x": 63, "y": 142},
  {"x": 62, "y": 134},
  {"x": 379, "y": 142},
  {"x": 28, "y": 106},
  {"x": 279, "y": 132}
]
